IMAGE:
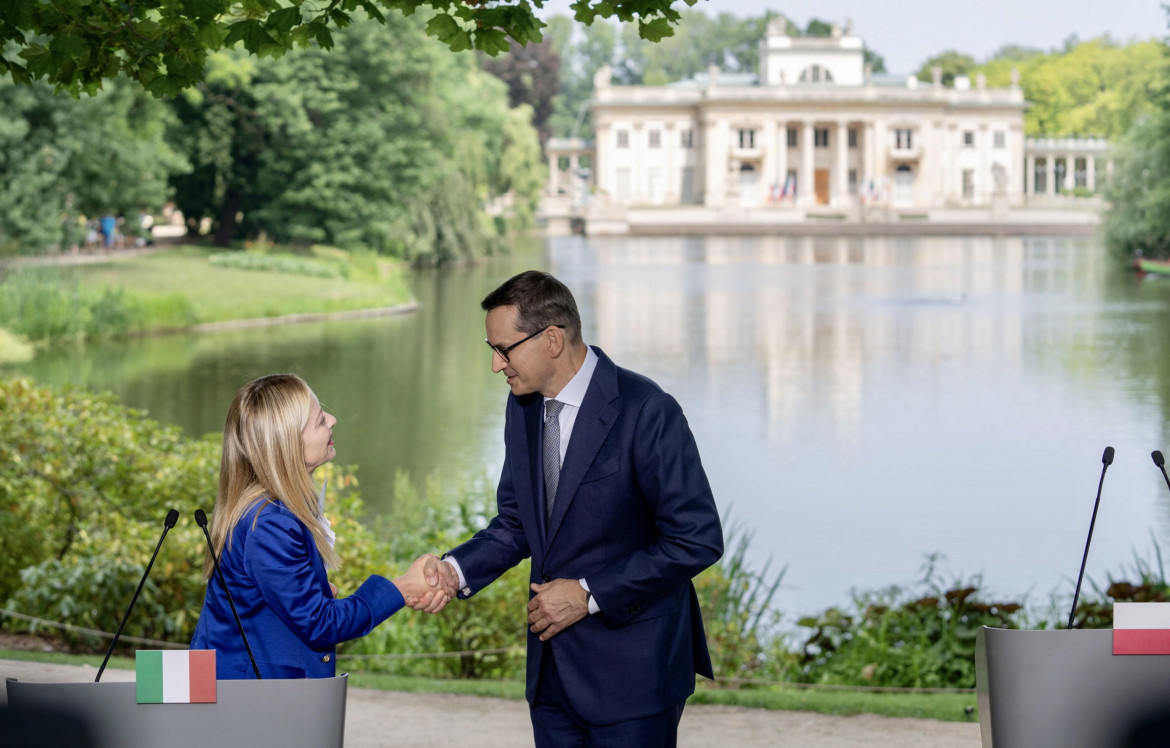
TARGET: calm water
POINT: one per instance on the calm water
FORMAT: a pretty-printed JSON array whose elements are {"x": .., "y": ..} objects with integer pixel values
[{"x": 859, "y": 403}]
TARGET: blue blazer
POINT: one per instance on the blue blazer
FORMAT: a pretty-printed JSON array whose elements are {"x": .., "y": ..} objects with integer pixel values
[
  {"x": 634, "y": 516},
  {"x": 277, "y": 580}
]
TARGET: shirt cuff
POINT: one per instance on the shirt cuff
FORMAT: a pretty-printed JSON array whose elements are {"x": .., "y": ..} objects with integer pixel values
[
  {"x": 594, "y": 608},
  {"x": 463, "y": 588}
]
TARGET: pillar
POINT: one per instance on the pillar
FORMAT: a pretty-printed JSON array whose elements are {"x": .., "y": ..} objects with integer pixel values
[
  {"x": 806, "y": 191},
  {"x": 841, "y": 165}
]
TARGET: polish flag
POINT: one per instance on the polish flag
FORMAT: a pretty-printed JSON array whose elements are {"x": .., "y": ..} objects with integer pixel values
[
  {"x": 175, "y": 676},
  {"x": 1141, "y": 628}
]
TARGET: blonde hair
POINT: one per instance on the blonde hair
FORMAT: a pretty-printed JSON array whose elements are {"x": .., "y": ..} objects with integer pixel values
[{"x": 264, "y": 461}]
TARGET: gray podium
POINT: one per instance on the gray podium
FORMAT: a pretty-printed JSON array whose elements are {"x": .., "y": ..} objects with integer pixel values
[
  {"x": 257, "y": 714},
  {"x": 1066, "y": 689}
]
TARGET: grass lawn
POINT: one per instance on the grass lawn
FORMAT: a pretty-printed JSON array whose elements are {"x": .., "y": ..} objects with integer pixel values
[
  {"x": 950, "y": 707},
  {"x": 179, "y": 287}
]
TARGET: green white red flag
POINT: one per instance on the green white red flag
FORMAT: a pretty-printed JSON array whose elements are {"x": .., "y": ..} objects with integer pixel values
[{"x": 175, "y": 676}]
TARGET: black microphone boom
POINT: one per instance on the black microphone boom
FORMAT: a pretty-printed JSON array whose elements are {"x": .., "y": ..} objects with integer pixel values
[
  {"x": 171, "y": 518},
  {"x": 201, "y": 520},
  {"x": 1160, "y": 461},
  {"x": 1106, "y": 461}
]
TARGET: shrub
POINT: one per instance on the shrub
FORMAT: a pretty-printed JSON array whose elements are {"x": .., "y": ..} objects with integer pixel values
[{"x": 279, "y": 263}]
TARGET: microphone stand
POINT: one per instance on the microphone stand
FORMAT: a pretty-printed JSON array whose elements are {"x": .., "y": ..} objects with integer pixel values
[
  {"x": 201, "y": 520},
  {"x": 168, "y": 523},
  {"x": 1106, "y": 461}
]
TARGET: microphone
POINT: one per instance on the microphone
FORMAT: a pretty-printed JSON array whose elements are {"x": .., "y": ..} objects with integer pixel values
[
  {"x": 1160, "y": 461},
  {"x": 1106, "y": 461},
  {"x": 201, "y": 520},
  {"x": 168, "y": 523}
]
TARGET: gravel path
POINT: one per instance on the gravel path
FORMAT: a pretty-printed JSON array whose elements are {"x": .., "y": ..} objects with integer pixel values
[{"x": 448, "y": 721}]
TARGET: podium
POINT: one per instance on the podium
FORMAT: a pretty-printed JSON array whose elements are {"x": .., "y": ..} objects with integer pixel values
[
  {"x": 256, "y": 713},
  {"x": 1066, "y": 689}
]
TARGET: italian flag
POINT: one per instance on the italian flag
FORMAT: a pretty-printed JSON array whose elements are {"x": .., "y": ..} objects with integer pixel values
[
  {"x": 1141, "y": 628},
  {"x": 175, "y": 676}
]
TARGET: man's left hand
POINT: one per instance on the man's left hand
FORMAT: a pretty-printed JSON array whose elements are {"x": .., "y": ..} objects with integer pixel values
[{"x": 557, "y": 606}]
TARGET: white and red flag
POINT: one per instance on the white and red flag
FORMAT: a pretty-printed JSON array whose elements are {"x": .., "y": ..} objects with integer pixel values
[{"x": 1141, "y": 628}]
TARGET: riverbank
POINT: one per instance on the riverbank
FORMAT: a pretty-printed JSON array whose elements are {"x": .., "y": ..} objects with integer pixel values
[
  {"x": 192, "y": 288},
  {"x": 427, "y": 720}
]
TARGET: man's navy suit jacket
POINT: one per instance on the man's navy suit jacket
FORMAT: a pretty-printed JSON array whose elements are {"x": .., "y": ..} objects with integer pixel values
[{"x": 634, "y": 517}]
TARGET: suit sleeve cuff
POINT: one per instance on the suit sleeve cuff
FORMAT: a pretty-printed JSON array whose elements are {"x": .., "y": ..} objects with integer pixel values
[
  {"x": 463, "y": 588},
  {"x": 594, "y": 608}
]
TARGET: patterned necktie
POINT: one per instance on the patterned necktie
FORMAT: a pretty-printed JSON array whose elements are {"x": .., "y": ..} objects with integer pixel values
[{"x": 552, "y": 454}]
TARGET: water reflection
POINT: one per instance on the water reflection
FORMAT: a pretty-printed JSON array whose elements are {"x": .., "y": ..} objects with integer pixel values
[{"x": 859, "y": 402}]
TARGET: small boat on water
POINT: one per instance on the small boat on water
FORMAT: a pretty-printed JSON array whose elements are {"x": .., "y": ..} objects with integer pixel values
[{"x": 1153, "y": 267}]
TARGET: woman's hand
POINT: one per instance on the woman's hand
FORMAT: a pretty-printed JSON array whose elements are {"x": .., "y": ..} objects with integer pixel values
[{"x": 422, "y": 585}]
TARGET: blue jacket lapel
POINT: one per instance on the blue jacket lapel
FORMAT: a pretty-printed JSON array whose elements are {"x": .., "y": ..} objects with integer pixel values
[{"x": 597, "y": 415}]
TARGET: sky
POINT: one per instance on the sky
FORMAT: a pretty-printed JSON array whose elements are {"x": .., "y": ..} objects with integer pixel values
[{"x": 908, "y": 32}]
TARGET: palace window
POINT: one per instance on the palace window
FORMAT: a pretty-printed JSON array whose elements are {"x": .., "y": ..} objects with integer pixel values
[
  {"x": 903, "y": 139},
  {"x": 623, "y": 138},
  {"x": 999, "y": 140},
  {"x": 968, "y": 184},
  {"x": 747, "y": 138},
  {"x": 821, "y": 137},
  {"x": 687, "y": 138},
  {"x": 816, "y": 74},
  {"x": 853, "y": 181},
  {"x": 852, "y": 137},
  {"x": 655, "y": 138},
  {"x": 792, "y": 137},
  {"x": 968, "y": 138}
]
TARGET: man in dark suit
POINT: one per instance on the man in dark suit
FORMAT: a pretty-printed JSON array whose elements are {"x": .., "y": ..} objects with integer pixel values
[{"x": 603, "y": 488}]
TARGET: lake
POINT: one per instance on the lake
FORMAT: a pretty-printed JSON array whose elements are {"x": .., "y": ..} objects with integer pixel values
[{"x": 859, "y": 402}]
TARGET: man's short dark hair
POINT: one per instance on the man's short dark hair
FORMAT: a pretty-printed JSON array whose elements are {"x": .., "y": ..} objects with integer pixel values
[{"x": 540, "y": 300}]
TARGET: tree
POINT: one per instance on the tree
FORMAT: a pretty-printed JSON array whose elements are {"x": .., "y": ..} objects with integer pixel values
[
  {"x": 1096, "y": 88},
  {"x": 952, "y": 63},
  {"x": 877, "y": 62},
  {"x": 61, "y": 159},
  {"x": 164, "y": 44},
  {"x": 386, "y": 142},
  {"x": 533, "y": 76}
]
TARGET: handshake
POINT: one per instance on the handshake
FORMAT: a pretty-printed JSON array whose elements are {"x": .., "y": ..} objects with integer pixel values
[{"x": 429, "y": 584}]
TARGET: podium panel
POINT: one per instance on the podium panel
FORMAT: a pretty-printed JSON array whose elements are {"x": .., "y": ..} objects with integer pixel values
[
  {"x": 258, "y": 714},
  {"x": 1066, "y": 689}
]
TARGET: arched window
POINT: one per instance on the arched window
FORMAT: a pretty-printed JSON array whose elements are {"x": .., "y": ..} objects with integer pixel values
[{"x": 816, "y": 74}]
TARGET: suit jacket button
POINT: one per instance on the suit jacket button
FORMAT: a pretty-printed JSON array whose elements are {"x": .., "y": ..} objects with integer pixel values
[
  {"x": 326, "y": 658},
  {"x": 546, "y": 578}
]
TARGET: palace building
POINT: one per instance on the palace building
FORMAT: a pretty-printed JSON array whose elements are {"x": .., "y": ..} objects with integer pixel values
[{"x": 815, "y": 130}]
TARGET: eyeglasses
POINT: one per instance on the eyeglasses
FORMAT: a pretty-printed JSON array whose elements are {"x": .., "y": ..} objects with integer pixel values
[{"x": 502, "y": 350}]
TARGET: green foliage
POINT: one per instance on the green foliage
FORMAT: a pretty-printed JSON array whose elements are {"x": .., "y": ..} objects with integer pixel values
[
  {"x": 1096, "y": 87},
  {"x": 84, "y": 484},
  {"x": 952, "y": 63},
  {"x": 46, "y": 305},
  {"x": 278, "y": 263},
  {"x": 739, "y": 616},
  {"x": 62, "y": 160},
  {"x": 924, "y": 639},
  {"x": 1138, "y": 217},
  {"x": 386, "y": 142},
  {"x": 1095, "y": 609},
  {"x": 164, "y": 44},
  {"x": 14, "y": 348}
]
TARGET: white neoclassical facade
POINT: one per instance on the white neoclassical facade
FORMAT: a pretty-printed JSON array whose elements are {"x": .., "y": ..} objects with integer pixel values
[{"x": 814, "y": 130}]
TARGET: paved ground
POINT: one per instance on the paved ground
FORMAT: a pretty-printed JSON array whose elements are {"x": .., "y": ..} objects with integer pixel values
[{"x": 408, "y": 720}]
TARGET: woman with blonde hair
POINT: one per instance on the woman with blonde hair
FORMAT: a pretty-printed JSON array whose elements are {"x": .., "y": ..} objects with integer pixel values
[{"x": 274, "y": 544}]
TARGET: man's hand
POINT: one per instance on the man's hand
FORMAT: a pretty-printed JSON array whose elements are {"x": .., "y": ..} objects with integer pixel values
[
  {"x": 441, "y": 574},
  {"x": 557, "y": 606},
  {"x": 422, "y": 587}
]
